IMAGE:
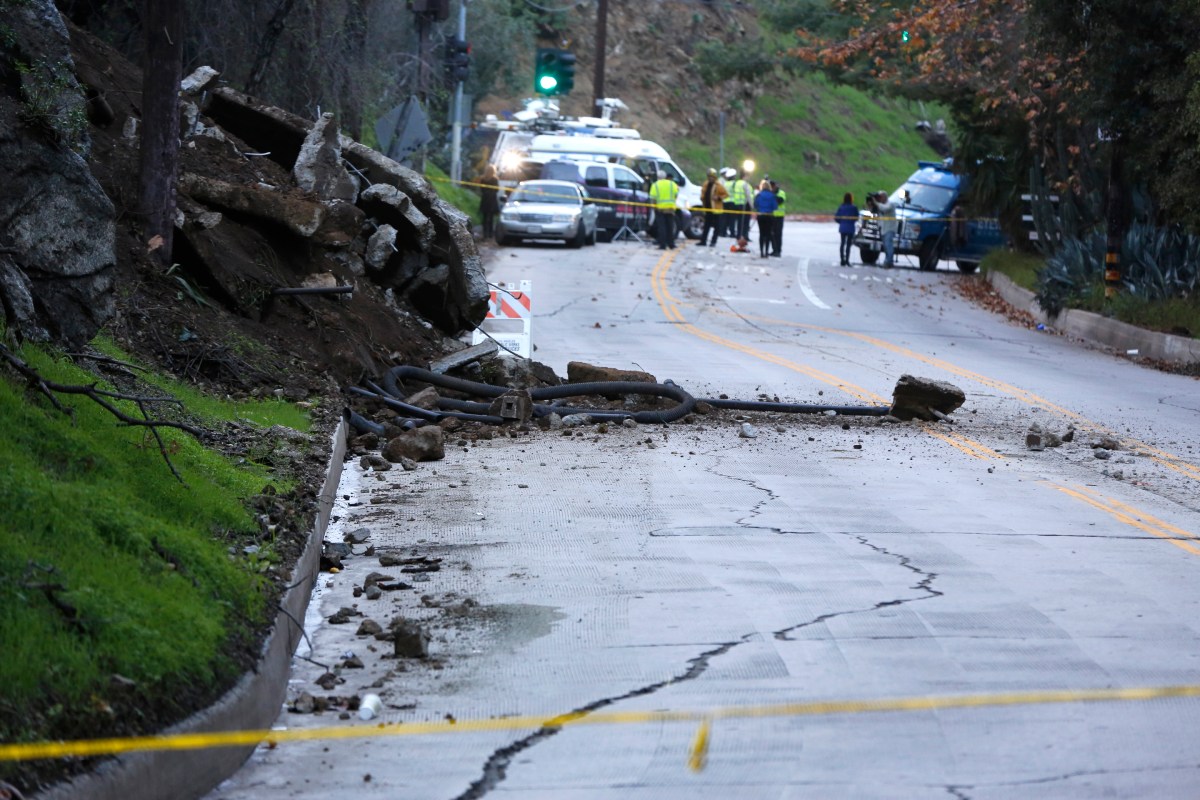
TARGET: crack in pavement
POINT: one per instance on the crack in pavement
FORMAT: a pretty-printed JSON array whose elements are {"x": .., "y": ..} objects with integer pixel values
[
  {"x": 496, "y": 768},
  {"x": 925, "y": 585},
  {"x": 959, "y": 789}
]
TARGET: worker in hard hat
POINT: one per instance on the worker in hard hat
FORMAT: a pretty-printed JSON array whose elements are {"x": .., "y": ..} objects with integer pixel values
[{"x": 663, "y": 194}]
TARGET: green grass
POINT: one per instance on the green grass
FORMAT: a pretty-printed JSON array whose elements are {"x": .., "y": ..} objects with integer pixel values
[
  {"x": 90, "y": 506},
  {"x": 263, "y": 413},
  {"x": 1177, "y": 315},
  {"x": 464, "y": 198},
  {"x": 1020, "y": 268},
  {"x": 820, "y": 141},
  {"x": 1180, "y": 316}
]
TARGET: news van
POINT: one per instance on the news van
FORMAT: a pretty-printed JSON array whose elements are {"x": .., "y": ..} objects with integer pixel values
[{"x": 524, "y": 155}]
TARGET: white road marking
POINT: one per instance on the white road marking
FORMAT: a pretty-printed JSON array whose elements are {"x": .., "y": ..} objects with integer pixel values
[
  {"x": 802, "y": 277},
  {"x": 774, "y": 300}
]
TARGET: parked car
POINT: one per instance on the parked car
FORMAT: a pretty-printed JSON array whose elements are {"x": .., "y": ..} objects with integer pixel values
[
  {"x": 621, "y": 200},
  {"x": 548, "y": 210}
]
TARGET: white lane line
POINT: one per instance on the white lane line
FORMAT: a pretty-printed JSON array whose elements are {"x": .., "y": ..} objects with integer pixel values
[
  {"x": 802, "y": 278},
  {"x": 773, "y": 300}
]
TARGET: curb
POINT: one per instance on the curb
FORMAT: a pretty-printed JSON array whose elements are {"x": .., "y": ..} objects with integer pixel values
[
  {"x": 252, "y": 704},
  {"x": 1100, "y": 330}
]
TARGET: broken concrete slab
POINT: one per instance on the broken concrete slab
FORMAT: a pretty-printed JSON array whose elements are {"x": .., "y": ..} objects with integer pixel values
[
  {"x": 582, "y": 372},
  {"x": 463, "y": 357},
  {"x": 301, "y": 217},
  {"x": 199, "y": 80},
  {"x": 925, "y": 399},
  {"x": 381, "y": 246},
  {"x": 394, "y": 207},
  {"x": 318, "y": 168}
]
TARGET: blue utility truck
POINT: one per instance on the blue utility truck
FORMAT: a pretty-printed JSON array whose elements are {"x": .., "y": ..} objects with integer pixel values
[{"x": 933, "y": 225}]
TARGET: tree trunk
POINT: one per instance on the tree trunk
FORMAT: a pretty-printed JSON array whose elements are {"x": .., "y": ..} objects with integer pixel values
[
  {"x": 266, "y": 47},
  {"x": 160, "y": 119}
]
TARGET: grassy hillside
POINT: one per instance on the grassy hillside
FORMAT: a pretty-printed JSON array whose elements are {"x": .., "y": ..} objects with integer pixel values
[{"x": 820, "y": 141}]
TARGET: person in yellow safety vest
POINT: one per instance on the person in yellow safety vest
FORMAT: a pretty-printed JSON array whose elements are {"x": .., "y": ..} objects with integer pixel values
[
  {"x": 777, "y": 229},
  {"x": 663, "y": 193},
  {"x": 741, "y": 195}
]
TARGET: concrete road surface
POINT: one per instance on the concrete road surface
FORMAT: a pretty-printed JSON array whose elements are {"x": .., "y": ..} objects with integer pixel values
[{"x": 836, "y": 607}]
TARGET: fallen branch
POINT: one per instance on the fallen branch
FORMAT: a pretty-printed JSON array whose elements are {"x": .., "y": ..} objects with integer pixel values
[{"x": 105, "y": 399}]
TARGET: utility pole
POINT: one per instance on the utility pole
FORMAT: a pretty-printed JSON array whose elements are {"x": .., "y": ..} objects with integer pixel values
[
  {"x": 456, "y": 128},
  {"x": 601, "y": 46}
]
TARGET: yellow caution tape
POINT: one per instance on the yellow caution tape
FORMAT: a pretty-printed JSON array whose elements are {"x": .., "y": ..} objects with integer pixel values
[{"x": 195, "y": 741}]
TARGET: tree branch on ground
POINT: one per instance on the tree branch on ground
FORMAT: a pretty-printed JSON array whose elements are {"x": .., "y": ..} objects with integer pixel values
[{"x": 105, "y": 399}]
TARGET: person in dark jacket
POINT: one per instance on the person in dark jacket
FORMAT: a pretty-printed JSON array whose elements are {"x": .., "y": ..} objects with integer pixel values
[
  {"x": 846, "y": 216},
  {"x": 489, "y": 201},
  {"x": 765, "y": 204}
]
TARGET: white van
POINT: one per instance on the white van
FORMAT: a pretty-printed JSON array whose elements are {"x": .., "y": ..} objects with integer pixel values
[{"x": 644, "y": 157}]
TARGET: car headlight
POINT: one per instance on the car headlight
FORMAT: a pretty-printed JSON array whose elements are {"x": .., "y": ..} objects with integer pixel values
[{"x": 913, "y": 231}]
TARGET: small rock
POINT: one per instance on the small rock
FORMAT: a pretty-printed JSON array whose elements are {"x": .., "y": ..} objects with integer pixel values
[
  {"x": 343, "y": 615},
  {"x": 368, "y": 627},
  {"x": 304, "y": 704},
  {"x": 376, "y": 577},
  {"x": 409, "y": 638},
  {"x": 357, "y": 536},
  {"x": 1102, "y": 454},
  {"x": 1107, "y": 442},
  {"x": 328, "y": 681},
  {"x": 747, "y": 431},
  {"x": 373, "y": 592}
]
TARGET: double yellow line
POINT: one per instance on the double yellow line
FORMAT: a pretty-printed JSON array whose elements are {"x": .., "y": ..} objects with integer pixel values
[
  {"x": 1115, "y": 508},
  {"x": 1123, "y": 512},
  {"x": 671, "y": 309}
]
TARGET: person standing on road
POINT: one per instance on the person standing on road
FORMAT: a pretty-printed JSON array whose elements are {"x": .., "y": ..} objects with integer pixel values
[
  {"x": 663, "y": 193},
  {"x": 846, "y": 216},
  {"x": 885, "y": 211},
  {"x": 712, "y": 197},
  {"x": 741, "y": 195},
  {"x": 489, "y": 201},
  {"x": 777, "y": 223},
  {"x": 765, "y": 203}
]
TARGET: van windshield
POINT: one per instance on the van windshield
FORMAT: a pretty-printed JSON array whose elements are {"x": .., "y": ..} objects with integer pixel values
[{"x": 924, "y": 197}]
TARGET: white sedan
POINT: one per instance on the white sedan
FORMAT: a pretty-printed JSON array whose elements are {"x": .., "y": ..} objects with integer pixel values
[{"x": 548, "y": 210}]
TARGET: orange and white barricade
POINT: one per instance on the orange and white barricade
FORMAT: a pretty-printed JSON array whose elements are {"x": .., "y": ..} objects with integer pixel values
[{"x": 509, "y": 319}]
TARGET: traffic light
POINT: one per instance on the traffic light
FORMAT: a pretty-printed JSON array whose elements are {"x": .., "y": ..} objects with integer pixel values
[
  {"x": 458, "y": 60},
  {"x": 566, "y": 72},
  {"x": 554, "y": 71},
  {"x": 904, "y": 37},
  {"x": 545, "y": 74}
]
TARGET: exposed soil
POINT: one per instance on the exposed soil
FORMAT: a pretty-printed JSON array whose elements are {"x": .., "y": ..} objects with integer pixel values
[{"x": 176, "y": 320}]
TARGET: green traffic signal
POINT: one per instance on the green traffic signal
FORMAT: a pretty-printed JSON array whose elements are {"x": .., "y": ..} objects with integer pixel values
[
  {"x": 904, "y": 36},
  {"x": 554, "y": 71}
]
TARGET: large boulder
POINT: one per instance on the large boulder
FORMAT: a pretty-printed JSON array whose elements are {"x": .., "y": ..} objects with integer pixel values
[{"x": 57, "y": 260}]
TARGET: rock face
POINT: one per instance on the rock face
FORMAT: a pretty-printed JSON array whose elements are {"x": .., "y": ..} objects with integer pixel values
[
  {"x": 57, "y": 265},
  {"x": 265, "y": 199}
]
